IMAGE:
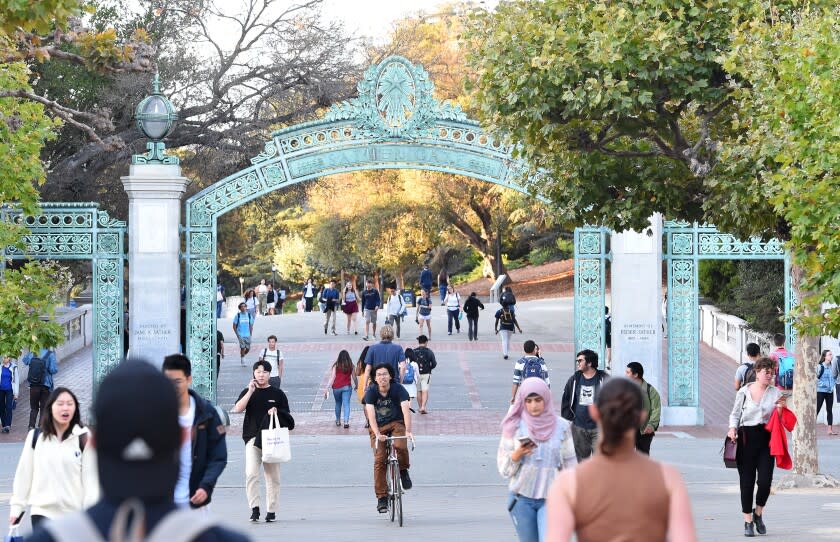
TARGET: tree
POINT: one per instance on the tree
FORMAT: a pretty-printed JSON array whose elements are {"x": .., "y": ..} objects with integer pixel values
[{"x": 632, "y": 107}]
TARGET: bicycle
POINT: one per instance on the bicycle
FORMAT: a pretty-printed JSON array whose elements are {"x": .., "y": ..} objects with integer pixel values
[{"x": 392, "y": 474}]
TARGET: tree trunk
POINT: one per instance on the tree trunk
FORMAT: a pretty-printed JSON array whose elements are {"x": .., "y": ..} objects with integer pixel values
[
  {"x": 491, "y": 264},
  {"x": 806, "y": 466}
]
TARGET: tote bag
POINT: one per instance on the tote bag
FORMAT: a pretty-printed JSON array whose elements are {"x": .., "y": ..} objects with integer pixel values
[
  {"x": 730, "y": 450},
  {"x": 275, "y": 442}
]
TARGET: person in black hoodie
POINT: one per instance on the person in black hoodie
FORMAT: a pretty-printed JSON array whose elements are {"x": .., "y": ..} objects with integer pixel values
[
  {"x": 137, "y": 443},
  {"x": 580, "y": 392},
  {"x": 471, "y": 307},
  {"x": 204, "y": 453},
  {"x": 259, "y": 400}
]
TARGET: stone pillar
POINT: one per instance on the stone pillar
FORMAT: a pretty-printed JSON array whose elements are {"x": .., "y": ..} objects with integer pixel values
[
  {"x": 154, "y": 244},
  {"x": 636, "y": 293}
]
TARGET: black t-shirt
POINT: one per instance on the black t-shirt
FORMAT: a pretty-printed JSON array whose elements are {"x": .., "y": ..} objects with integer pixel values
[
  {"x": 586, "y": 389},
  {"x": 256, "y": 413},
  {"x": 388, "y": 409}
]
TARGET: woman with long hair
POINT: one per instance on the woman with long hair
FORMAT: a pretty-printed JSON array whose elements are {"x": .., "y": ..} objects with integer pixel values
[
  {"x": 826, "y": 381},
  {"x": 350, "y": 307},
  {"x": 362, "y": 385},
  {"x": 536, "y": 444},
  {"x": 251, "y": 302},
  {"x": 619, "y": 493},
  {"x": 56, "y": 473},
  {"x": 340, "y": 376},
  {"x": 754, "y": 404}
]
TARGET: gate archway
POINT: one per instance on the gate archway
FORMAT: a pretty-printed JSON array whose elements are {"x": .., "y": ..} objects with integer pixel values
[{"x": 394, "y": 123}]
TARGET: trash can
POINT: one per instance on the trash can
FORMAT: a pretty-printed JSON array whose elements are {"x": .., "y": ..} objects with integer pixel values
[{"x": 409, "y": 298}]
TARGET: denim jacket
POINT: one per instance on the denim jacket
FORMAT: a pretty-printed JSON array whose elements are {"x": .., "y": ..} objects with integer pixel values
[{"x": 826, "y": 381}]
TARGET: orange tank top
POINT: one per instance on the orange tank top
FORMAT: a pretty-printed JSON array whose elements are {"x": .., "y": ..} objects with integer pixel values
[{"x": 621, "y": 498}]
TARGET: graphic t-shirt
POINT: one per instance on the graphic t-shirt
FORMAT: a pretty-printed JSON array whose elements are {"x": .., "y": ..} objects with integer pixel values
[
  {"x": 388, "y": 408},
  {"x": 586, "y": 396},
  {"x": 425, "y": 306},
  {"x": 182, "y": 488}
]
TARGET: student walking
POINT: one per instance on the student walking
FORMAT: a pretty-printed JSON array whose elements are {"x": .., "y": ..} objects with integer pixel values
[
  {"x": 9, "y": 387},
  {"x": 652, "y": 407},
  {"x": 350, "y": 307},
  {"x": 453, "y": 309},
  {"x": 426, "y": 363},
  {"x": 505, "y": 324},
  {"x": 330, "y": 299},
  {"x": 251, "y": 302},
  {"x": 56, "y": 473},
  {"x": 536, "y": 445},
  {"x": 826, "y": 382},
  {"x": 40, "y": 377},
  {"x": 243, "y": 327},
  {"x": 394, "y": 310},
  {"x": 619, "y": 494},
  {"x": 471, "y": 308},
  {"x": 370, "y": 304},
  {"x": 528, "y": 366},
  {"x": 259, "y": 401},
  {"x": 754, "y": 404},
  {"x": 341, "y": 374},
  {"x": 580, "y": 392},
  {"x": 309, "y": 291},
  {"x": 274, "y": 356},
  {"x": 423, "y": 313}
]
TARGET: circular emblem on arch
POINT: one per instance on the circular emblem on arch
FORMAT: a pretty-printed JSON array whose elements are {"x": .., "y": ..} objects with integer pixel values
[{"x": 396, "y": 94}]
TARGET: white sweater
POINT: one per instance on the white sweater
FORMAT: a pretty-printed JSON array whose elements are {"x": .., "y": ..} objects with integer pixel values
[{"x": 55, "y": 477}]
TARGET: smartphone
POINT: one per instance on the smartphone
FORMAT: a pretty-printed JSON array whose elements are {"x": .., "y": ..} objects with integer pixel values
[{"x": 526, "y": 441}]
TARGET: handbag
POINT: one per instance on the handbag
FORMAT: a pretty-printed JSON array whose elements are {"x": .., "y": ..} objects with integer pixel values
[
  {"x": 275, "y": 442},
  {"x": 14, "y": 534},
  {"x": 730, "y": 450}
]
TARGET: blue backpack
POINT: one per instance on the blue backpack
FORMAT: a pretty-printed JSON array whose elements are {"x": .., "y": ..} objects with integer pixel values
[
  {"x": 785, "y": 378},
  {"x": 532, "y": 367},
  {"x": 409, "y": 374}
]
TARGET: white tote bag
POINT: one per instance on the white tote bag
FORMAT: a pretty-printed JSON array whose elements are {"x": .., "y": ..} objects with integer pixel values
[{"x": 275, "y": 442}]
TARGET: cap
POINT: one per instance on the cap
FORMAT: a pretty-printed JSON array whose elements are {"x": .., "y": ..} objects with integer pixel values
[{"x": 137, "y": 433}]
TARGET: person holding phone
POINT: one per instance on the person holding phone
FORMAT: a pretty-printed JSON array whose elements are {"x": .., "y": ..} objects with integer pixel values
[
  {"x": 754, "y": 404},
  {"x": 536, "y": 444}
]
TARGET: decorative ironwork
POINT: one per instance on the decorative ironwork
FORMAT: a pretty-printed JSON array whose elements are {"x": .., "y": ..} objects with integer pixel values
[
  {"x": 590, "y": 286},
  {"x": 394, "y": 123},
  {"x": 73, "y": 231},
  {"x": 686, "y": 244}
]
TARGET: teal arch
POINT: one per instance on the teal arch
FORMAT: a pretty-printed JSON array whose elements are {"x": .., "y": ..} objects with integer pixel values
[{"x": 394, "y": 123}]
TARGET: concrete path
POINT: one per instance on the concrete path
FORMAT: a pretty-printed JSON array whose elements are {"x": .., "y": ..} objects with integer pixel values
[{"x": 458, "y": 493}]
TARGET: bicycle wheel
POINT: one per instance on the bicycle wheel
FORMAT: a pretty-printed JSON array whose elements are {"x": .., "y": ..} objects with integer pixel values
[
  {"x": 394, "y": 483},
  {"x": 398, "y": 504}
]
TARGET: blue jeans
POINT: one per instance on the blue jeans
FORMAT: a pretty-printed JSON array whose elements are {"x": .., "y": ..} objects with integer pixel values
[
  {"x": 529, "y": 518},
  {"x": 342, "y": 400},
  {"x": 450, "y": 316},
  {"x": 6, "y": 399},
  {"x": 219, "y": 308},
  {"x": 443, "y": 288}
]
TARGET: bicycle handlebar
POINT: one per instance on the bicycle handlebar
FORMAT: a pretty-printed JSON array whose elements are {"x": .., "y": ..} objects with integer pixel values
[{"x": 397, "y": 438}]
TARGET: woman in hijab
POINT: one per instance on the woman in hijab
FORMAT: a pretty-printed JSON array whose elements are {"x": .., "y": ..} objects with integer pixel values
[{"x": 536, "y": 443}]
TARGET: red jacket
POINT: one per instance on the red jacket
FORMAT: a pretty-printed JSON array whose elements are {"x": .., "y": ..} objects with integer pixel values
[{"x": 778, "y": 437}]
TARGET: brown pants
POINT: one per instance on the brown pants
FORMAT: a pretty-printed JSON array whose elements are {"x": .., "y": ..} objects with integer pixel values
[{"x": 380, "y": 458}]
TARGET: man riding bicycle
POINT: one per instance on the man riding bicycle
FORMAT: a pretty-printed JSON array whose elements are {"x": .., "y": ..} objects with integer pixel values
[{"x": 387, "y": 406}]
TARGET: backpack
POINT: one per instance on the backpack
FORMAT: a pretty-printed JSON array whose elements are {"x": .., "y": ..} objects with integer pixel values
[
  {"x": 83, "y": 438},
  {"x": 749, "y": 374},
  {"x": 785, "y": 378},
  {"x": 507, "y": 317},
  {"x": 409, "y": 374},
  {"x": 182, "y": 525},
  {"x": 507, "y": 298},
  {"x": 37, "y": 372},
  {"x": 423, "y": 361},
  {"x": 532, "y": 367}
]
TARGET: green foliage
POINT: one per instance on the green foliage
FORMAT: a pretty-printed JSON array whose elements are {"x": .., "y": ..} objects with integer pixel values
[
  {"x": 717, "y": 278},
  {"x": 291, "y": 258},
  {"x": 757, "y": 295},
  {"x": 39, "y": 17},
  {"x": 791, "y": 153},
  {"x": 27, "y": 297}
]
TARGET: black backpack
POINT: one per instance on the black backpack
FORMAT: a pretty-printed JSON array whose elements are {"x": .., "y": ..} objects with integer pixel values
[
  {"x": 507, "y": 298},
  {"x": 423, "y": 361},
  {"x": 749, "y": 374},
  {"x": 37, "y": 372}
]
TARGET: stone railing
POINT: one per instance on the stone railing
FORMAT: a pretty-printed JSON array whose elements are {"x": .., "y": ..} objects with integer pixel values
[{"x": 729, "y": 334}]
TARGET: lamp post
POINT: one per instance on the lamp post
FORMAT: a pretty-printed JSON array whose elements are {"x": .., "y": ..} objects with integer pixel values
[
  {"x": 155, "y": 117},
  {"x": 241, "y": 286},
  {"x": 274, "y": 275}
]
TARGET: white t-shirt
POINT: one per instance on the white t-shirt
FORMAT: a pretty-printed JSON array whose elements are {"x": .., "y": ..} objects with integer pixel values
[
  {"x": 182, "y": 488},
  {"x": 262, "y": 289},
  {"x": 273, "y": 357}
]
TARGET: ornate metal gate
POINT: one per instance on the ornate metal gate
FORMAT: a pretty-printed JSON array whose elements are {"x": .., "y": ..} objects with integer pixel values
[
  {"x": 685, "y": 245},
  {"x": 80, "y": 231},
  {"x": 591, "y": 256},
  {"x": 394, "y": 123}
]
